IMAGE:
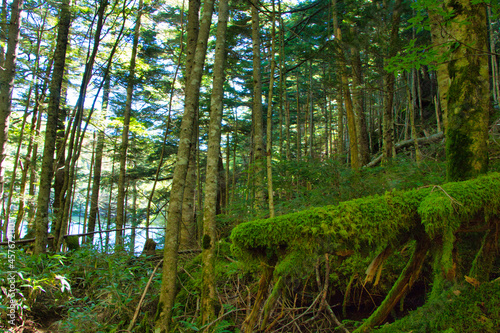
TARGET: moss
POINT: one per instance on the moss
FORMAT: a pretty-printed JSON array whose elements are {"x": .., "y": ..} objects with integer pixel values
[
  {"x": 466, "y": 143},
  {"x": 72, "y": 243},
  {"x": 464, "y": 309},
  {"x": 455, "y": 203},
  {"x": 368, "y": 223}
]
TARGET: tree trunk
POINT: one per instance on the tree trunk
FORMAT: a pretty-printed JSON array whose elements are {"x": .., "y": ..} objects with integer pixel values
[
  {"x": 389, "y": 80},
  {"x": 14, "y": 174},
  {"x": 298, "y": 119},
  {"x": 7, "y": 73},
  {"x": 411, "y": 104},
  {"x": 134, "y": 221},
  {"x": 42, "y": 214},
  {"x": 96, "y": 182},
  {"x": 311, "y": 111},
  {"x": 464, "y": 88},
  {"x": 120, "y": 198},
  {"x": 169, "y": 274},
  {"x": 257, "y": 124},
  {"x": 351, "y": 118},
  {"x": 340, "y": 120},
  {"x": 208, "y": 294},
  {"x": 359, "y": 110},
  {"x": 269, "y": 142},
  {"x": 187, "y": 231}
]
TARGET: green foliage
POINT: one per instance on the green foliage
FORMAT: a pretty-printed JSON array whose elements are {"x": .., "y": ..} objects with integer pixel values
[
  {"x": 463, "y": 309},
  {"x": 41, "y": 285},
  {"x": 85, "y": 291}
]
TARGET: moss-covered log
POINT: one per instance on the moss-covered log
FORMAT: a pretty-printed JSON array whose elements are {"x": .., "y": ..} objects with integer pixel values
[
  {"x": 369, "y": 224},
  {"x": 361, "y": 224}
]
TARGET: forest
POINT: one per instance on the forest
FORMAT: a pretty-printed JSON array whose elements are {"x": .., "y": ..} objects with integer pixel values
[{"x": 250, "y": 166}]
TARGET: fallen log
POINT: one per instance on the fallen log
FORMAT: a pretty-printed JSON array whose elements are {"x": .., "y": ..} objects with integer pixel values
[{"x": 406, "y": 143}]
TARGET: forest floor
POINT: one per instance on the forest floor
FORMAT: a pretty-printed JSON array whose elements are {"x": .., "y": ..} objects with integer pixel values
[{"x": 92, "y": 291}]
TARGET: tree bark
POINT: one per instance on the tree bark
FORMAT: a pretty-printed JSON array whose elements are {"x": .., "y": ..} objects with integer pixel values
[
  {"x": 269, "y": 142},
  {"x": 257, "y": 123},
  {"x": 96, "y": 181},
  {"x": 120, "y": 198},
  {"x": 7, "y": 74},
  {"x": 187, "y": 232},
  {"x": 208, "y": 295},
  {"x": 169, "y": 274},
  {"x": 464, "y": 87},
  {"x": 389, "y": 80},
  {"x": 351, "y": 118},
  {"x": 47, "y": 172},
  {"x": 359, "y": 110}
]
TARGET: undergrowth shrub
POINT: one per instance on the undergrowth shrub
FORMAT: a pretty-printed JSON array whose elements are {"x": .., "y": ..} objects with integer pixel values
[
  {"x": 41, "y": 287},
  {"x": 83, "y": 291}
]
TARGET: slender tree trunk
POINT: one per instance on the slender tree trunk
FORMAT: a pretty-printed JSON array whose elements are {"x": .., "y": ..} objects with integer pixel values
[
  {"x": 120, "y": 199},
  {"x": 257, "y": 125},
  {"x": 495, "y": 80},
  {"x": 134, "y": 221},
  {"x": 42, "y": 214},
  {"x": 188, "y": 233},
  {"x": 340, "y": 120},
  {"x": 269, "y": 142},
  {"x": 89, "y": 182},
  {"x": 108, "y": 220},
  {"x": 96, "y": 181},
  {"x": 298, "y": 119},
  {"x": 14, "y": 173},
  {"x": 169, "y": 274},
  {"x": 226, "y": 176},
  {"x": 351, "y": 118},
  {"x": 282, "y": 78},
  {"x": 59, "y": 176},
  {"x": 209, "y": 297},
  {"x": 36, "y": 126},
  {"x": 388, "y": 122},
  {"x": 187, "y": 236},
  {"x": 411, "y": 103},
  {"x": 7, "y": 73},
  {"x": 357, "y": 98}
]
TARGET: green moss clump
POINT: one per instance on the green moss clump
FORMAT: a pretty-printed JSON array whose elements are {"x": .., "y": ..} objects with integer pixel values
[
  {"x": 455, "y": 203},
  {"x": 461, "y": 310},
  {"x": 72, "y": 243}
]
